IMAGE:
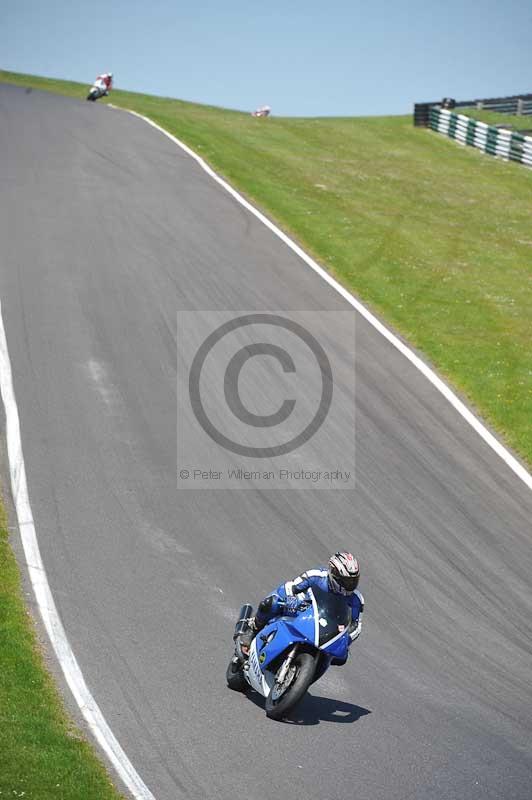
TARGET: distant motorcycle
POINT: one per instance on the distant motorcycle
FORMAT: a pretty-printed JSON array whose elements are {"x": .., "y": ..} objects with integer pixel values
[
  {"x": 291, "y": 653},
  {"x": 263, "y": 111},
  {"x": 97, "y": 90}
]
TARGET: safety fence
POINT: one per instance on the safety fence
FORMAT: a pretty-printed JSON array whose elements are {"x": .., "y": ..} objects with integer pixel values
[
  {"x": 509, "y": 145},
  {"x": 519, "y": 104}
]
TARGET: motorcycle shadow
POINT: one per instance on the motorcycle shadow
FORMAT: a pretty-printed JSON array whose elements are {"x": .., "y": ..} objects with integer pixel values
[{"x": 313, "y": 709}]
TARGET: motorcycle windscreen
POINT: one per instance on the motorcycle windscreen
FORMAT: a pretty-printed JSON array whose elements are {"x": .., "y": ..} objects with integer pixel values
[{"x": 334, "y": 615}]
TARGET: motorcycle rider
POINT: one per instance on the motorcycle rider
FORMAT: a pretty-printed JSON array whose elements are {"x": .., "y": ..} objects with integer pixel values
[
  {"x": 107, "y": 79},
  {"x": 341, "y": 577},
  {"x": 262, "y": 111}
]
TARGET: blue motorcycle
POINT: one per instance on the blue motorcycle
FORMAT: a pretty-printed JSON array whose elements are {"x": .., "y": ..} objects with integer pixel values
[{"x": 292, "y": 652}]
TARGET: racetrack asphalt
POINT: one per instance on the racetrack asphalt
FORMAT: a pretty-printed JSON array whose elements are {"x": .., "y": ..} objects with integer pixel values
[{"x": 107, "y": 229}]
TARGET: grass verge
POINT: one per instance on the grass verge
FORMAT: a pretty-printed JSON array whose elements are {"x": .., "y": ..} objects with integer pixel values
[{"x": 42, "y": 755}]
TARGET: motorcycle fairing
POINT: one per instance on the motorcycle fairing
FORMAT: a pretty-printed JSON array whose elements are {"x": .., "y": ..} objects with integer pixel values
[
  {"x": 323, "y": 624},
  {"x": 286, "y": 631},
  {"x": 258, "y": 679},
  {"x": 324, "y": 627},
  {"x": 337, "y": 647}
]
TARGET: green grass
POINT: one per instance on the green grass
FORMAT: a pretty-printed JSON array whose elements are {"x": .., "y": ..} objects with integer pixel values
[
  {"x": 42, "y": 755},
  {"x": 435, "y": 237},
  {"x": 493, "y": 118}
]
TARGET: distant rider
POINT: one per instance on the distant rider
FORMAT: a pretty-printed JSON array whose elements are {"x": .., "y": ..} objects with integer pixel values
[
  {"x": 262, "y": 111},
  {"x": 107, "y": 80},
  {"x": 341, "y": 577}
]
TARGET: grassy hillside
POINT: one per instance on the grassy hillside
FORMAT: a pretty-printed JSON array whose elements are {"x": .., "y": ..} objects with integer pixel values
[{"x": 434, "y": 236}]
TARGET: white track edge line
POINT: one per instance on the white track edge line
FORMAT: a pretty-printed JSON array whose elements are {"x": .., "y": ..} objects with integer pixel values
[
  {"x": 43, "y": 595},
  {"x": 436, "y": 381}
]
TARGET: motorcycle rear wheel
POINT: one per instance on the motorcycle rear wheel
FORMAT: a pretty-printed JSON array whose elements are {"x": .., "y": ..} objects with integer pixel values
[
  {"x": 235, "y": 678},
  {"x": 277, "y": 708}
]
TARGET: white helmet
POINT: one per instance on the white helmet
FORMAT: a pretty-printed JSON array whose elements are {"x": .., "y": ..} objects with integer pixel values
[{"x": 344, "y": 573}]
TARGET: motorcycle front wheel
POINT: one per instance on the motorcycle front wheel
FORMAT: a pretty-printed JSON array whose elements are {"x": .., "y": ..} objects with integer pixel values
[{"x": 283, "y": 698}]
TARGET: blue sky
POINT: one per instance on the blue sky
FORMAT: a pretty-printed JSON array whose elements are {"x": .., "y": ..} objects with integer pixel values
[{"x": 302, "y": 58}]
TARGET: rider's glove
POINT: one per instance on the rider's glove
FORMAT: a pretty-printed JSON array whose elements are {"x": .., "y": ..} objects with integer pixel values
[{"x": 291, "y": 606}]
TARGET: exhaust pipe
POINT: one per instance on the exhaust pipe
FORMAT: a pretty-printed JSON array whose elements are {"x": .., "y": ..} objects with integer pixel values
[{"x": 241, "y": 626}]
